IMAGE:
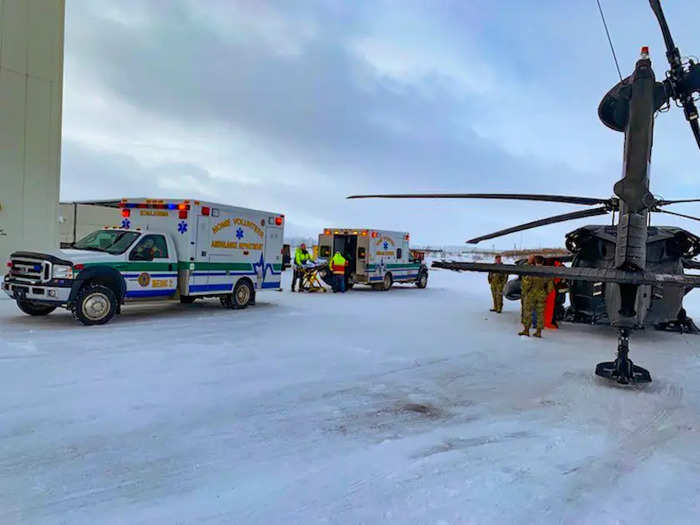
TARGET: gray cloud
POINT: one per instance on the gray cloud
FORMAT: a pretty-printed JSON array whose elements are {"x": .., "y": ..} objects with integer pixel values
[{"x": 294, "y": 109}]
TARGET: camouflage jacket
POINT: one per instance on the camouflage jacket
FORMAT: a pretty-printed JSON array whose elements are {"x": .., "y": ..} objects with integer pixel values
[
  {"x": 536, "y": 286},
  {"x": 497, "y": 279}
]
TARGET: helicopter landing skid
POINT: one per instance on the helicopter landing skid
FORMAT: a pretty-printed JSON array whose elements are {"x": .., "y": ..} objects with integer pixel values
[{"x": 623, "y": 370}]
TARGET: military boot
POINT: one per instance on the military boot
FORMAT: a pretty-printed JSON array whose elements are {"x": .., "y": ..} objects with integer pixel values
[
  {"x": 526, "y": 331},
  {"x": 538, "y": 333}
]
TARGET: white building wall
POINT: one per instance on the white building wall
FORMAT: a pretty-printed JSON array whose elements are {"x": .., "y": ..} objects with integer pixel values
[{"x": 31, "y": 96}]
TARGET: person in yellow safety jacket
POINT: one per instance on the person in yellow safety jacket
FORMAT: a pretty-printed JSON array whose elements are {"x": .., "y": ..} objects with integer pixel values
[
  {"x": 338, "y": 265},
  {"x": 300, "y": 258}
]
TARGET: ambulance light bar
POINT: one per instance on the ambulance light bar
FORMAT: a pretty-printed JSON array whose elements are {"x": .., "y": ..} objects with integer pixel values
[{"x": 155, "y": 206}]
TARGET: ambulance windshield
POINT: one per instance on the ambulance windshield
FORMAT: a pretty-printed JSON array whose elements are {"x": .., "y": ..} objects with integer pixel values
[{"x": 110, "y": 241}]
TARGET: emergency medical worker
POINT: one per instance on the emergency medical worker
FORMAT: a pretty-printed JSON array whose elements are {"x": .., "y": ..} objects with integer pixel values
[
  {"x": 300, "y": 258},
  {"x": 497, "y": 281},
  {"x": 533, "y": 293},
  {"x": 338, "y": 264}
]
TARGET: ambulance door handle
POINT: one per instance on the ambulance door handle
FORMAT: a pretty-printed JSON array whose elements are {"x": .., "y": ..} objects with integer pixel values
[
  {"x": 170, "y": 267},
  {"x": 204, "y": 253}
]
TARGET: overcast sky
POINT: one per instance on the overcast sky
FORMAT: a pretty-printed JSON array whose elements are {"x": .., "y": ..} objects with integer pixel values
[{"x": 292, "y": 106}]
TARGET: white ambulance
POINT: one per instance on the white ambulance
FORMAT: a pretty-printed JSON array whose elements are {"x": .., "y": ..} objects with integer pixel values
[
  {"x": 378, "y": 258},
  {"x": 163, "y": 249}
]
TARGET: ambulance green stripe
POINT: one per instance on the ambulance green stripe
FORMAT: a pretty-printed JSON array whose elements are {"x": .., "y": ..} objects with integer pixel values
[
  {"x": 133, "y": 266},
  {"x": 139, "y": 266},
  {"x": 239, "y": 267},
  {"x": 408, "y": 266}
]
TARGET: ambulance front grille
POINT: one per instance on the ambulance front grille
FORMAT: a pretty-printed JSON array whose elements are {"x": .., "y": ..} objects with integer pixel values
[{"x": 33, "y": 271}]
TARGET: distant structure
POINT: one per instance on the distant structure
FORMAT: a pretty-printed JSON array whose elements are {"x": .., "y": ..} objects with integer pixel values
[{"x": 31, "y": 100}]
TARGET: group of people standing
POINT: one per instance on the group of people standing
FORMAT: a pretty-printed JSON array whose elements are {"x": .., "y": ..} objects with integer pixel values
[
  {"x": 537, "y": 297},
  {"x": 338, "y": 266}
]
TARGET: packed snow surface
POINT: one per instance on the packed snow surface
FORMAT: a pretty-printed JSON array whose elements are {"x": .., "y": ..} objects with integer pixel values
[{"x": 411, "y": 406}]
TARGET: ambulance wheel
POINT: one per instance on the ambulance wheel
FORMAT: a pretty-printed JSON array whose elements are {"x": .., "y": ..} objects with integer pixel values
[
  {"x": 187, "y": 299},
  {"x": 388, "y": 282},
  {"x": 31, "y": 308},
  {"x": 422, "y": 281},
  {"x": 95, "y": 304},
  {"x": 242, "y": 295}
]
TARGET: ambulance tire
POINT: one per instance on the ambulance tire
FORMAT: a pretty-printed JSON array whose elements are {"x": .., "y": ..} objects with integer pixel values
[
  {"x": 31, "y": 308},
  {"x": 422, "y": 281},
  {"x": 387, "y": 283},
  {"x": 187, "y": 299},
  {"x": 95, "y": 304},
  {"x": 242, "y": 295}
]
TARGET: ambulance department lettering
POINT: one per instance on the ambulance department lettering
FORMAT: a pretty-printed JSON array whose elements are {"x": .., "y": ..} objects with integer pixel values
[
  {"x": 220, "y": 226},
  {"x": 230, "y": 245},
  {"x": 154, "y": 213},
  {"x": 249, "y": 224},
  {"x": 389, "y": 253},
  {"x": 385, "y": 239},
  {"x": 163, "y": 283},
  {"x": 224, "y": 244}
]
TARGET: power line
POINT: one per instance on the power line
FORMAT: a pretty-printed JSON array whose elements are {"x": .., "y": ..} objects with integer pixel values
[{"x": 612, "y": 48}]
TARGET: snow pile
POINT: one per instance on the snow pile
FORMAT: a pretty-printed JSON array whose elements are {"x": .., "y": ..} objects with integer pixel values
[{"x": 407, "y": 406}]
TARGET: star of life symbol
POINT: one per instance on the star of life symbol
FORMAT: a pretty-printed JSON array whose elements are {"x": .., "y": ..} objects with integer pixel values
[
  {"x": 239, "y": 234},
  {"x": 126, "y": 223},
  {"x": 182, "y": 227},
  {"x": 386, "y": 245}
]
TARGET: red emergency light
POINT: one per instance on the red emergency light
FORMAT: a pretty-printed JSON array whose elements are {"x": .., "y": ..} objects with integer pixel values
[
  {"x": 205, "y": 210},
  {"x": 183, "y": 207},
  {"x": 126, "y": 212},
  {"x": 407, "y": 236},
  {"x": 374, "y": 235},
  {"x": 645, "y": 50},
  {"x": 9, "y": 264},
  {"x": 182, "y": 214},
  {"x": 278, "y": 221},
  {"x": 326, "y": 232}
]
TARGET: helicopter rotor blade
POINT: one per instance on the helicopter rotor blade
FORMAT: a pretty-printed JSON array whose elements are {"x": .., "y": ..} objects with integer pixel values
[
  {"x": 665, "y": 31},
  {"x": 678, "y": 214},
  {"x": 695, "y": 127},
  {"x": 677, "y": 201},
  {"x": 588, "y": 201},
  {"x": 543, "y": 222}
]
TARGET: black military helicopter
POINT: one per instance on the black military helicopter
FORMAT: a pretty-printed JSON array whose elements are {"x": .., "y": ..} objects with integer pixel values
[{"x": 630, "y": 271}]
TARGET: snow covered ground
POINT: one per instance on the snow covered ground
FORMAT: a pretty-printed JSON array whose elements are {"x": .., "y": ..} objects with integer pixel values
[{"x": 412, "y": 406}]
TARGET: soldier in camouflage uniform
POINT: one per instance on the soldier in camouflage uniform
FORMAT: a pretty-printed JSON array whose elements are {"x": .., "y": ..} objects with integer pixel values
[
  {"x": 497, "y": 281},
  {"x": 534, "y": 291}
]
